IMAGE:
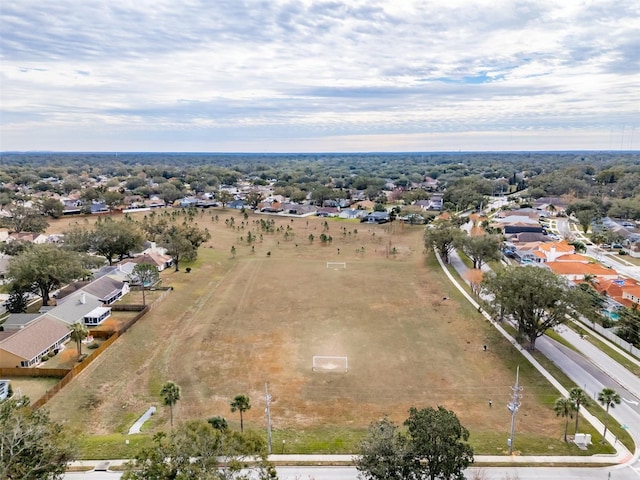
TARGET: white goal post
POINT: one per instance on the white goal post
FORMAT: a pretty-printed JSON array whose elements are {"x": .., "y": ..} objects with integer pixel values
[
  {"x": 325, "y": 363},
  {"x": 337, "y": 265}
]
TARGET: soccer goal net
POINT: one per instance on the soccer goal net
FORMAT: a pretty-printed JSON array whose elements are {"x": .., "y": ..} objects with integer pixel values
[
  {"x": 337, "y": 265},
  {"x": 330, "y": 364}
]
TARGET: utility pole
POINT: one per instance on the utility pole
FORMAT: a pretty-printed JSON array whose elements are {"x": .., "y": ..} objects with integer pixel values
[
  {"x": 513, "y": 407},
  {"x": 268, "y": 411}
]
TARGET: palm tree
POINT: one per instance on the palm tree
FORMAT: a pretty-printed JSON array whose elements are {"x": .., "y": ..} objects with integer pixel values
[
  {"x": 241, "y": 403},
  {"x": 146, "y": 275},
  {"x": 170, "y": 394},
  {"x": 608, "y": 397},
  {"x": 79, "y": 332},
  {"x": 564, "y": 407},
  {"x": 580, "y": 399}
]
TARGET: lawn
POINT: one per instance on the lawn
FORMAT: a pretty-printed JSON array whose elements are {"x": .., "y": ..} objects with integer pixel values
[{"x": 236, "y": 322}]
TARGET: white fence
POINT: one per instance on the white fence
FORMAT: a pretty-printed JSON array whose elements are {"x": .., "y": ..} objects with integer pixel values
[{"x": 612, "y": 337}]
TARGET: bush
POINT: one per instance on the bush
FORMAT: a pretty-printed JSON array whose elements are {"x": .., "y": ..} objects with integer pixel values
[
  {"x": 188, "y": 269},
  {"x": 93, "y": 346}
]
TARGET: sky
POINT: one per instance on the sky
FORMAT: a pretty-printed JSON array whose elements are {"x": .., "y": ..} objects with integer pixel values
[{"x": 319, "y": 76}]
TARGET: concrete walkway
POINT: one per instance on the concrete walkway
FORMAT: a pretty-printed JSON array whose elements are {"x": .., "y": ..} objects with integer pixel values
[
  {"x": 622, "y": 453},
  {"x": 140, "y": 422}
]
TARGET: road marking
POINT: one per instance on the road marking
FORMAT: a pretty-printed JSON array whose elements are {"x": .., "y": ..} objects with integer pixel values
[{"x": 632, "y": 402}]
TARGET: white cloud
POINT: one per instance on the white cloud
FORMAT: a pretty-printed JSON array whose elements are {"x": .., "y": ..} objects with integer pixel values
[{"x": 304, "y": 74}]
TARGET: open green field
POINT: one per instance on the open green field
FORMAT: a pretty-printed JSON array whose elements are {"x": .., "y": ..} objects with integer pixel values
[{"x": 235, "y": 323}]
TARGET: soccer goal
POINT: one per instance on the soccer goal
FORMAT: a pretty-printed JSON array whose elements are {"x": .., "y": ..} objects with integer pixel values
[
  {"x": 337, "y": 265},
  {"x": 330, "y": 364}
]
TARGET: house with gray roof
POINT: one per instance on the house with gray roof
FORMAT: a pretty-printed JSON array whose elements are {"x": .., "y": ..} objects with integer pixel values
[
  {"x": 82, "y": 307},
  {"x": 17, "y": 321},
  {"x": 107, "y": 289}
]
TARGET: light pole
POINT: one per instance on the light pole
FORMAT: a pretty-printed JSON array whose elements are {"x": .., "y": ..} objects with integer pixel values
[{"x": 513, "y": 407}]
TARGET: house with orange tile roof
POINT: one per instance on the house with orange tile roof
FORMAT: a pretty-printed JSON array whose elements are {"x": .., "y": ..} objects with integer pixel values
[
  {"x": 631, "y": 293},
  {"x": 573, "y": 257},
  {"x": 576, "y": 270},
  {"x": 553, "y": 250},
  {"x": 619, "y": 292}
]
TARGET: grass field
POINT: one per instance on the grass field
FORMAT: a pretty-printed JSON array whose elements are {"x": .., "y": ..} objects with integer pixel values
[{"x": 237, "y": 322}]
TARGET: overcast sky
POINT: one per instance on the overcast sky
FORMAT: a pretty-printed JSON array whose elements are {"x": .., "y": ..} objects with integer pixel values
[{"x": 319, "y": 76}]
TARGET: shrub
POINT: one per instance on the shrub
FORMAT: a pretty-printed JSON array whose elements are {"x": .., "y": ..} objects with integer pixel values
[
  {"x": 188, "y": 269},
  {"x": 93, "y": 346}
]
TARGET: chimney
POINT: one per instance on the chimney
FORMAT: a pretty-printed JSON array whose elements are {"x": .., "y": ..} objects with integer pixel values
[{"x": 83, "y": 299}]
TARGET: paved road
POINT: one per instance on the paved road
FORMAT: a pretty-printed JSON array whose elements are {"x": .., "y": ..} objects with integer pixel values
[
  {"x": 593, "y": 374},
  {"x": 489, "y": 473}
]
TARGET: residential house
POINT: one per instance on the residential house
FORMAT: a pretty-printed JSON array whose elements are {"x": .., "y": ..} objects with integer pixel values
[
  {"x": 553, "y": 250},
  {"x": 237, "y": 204},
  {"x": 351, "y": 213},
  {"x": 529, "y": 237},
  {"x": 17, "y": 321},
  {"x": 99, "y": 207},
  {"x": 328, "y": 212},
  {"x": 80, "y": 306},
  {"x": 186, "y": 202},
  {"x": 575, "y": 271},
  {"x": 161, "y": 261},
  {"x": 552, "y": 205},
  {"x": 298, "y": 209},
  {"x": 514, "y": 224},
  {"x": 72, "y": 206},
  {"x": 423, "y": 204},
  {"x": 632, "y": 293},
  {"x": 155, "y": 202},
  {"x": 618, "y": 293},
  {"x": 436, "y": 201},
  {"x": 376, "y": 217},
  {"x": 108, "y": 290},
  {"x": 270, "y": 207},
  {"x": 26, "y": 347},
  {"x": 37, "y": 238}
]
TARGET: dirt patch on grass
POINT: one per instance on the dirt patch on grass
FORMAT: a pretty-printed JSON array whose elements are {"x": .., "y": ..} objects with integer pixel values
[{"x": 236, "y": 322}]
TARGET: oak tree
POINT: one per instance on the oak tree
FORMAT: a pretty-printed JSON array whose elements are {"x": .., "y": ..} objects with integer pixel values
[
  {"x": 45, "y": 267},
  {"x": 32, "y": 447},
  {"x": 536, "y": 298}
]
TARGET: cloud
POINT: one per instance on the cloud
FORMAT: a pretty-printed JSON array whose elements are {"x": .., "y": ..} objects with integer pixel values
[{"x": 124, "y": 73}]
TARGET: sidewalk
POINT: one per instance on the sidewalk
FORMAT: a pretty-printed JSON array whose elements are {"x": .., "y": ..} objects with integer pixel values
[
  {"x": 338, "y": 460},
  {"x": 622, "y": 455}
]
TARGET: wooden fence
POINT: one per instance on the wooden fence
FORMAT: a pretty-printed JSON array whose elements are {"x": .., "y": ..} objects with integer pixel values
[
  {"x": 71, "y": 374},
  {"x": 34, "y": 372}
]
